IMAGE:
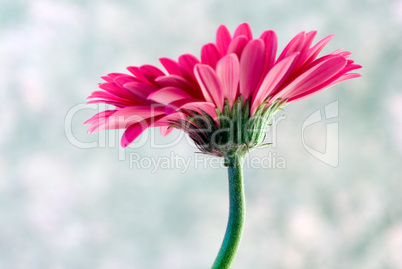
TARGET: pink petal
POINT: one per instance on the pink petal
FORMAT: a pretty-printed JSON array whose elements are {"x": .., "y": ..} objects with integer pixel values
[
  {"x": 109, "y": 102},
  {"x": 116, "y": 90},
  {"x": 175, "y": 106},
  {"x": 100, "y": 121},
  {"x": 349, "y": 67},
  {"x": 121, "y": 80},
  {"x": 174, "y": 81},
  {"x": 135, "y": 130},
  {"x": 187, "y": 63},
  {"x": 210, "y": 84},
  {"x": 110, "y": 123},
  {"x": 243, "y": 30},
  {"x": 210, "y": 55},
  {"x": 111, "y": 97},
  {"x": 136, "y": 72},
  {"x": 151, "y": 72},
  {"x": 314, "y": 76},
  {"x": 352, "y": 67},
  {"x": 168, "y": 95},
  {"x": 181, "y": 83},
  {"x": 175, "y": 116},
  {"x": 140, "y": 90},
  {"x": 271, "y": 43},
  {"x": 115, "y": 75},
  {"x": 294, "y": 45},
  {"x": 107, "y": 79},
  {"x": 320, "y": 89},
  {"x": 171, "y": 66},
  {"x": 112, "y": 88},
  {"x": 228, "y": 72},
  {"x": 313, "y": 52},
  {"x": 339, "y": 77},
  {"x": 104, "y": 95},
  {"x": 339, "y": 52},
  {"x": 318, "y": 61},
  {"x": 180, "y": 106},
  {"x": 141, "y": 112},
  {"x": 237, "y": 45},
  {"x": 100, "y": 115},
  {"x": 223, "y": 39},
  {"x": 345, "y": 77},
  {"x": 251, "y": 67},
  {"x": 309, "y": 37},
  {"x": 129, "y": 116},
  {"x": 272, "y": 81},
  {"x": 209, "y": 108}
]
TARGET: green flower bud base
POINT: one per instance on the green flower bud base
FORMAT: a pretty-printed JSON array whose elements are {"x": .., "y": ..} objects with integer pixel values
[{"x": 234, "y": 131}]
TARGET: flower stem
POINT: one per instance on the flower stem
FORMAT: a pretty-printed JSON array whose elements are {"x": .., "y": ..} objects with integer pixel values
[{"x": 234, "y": 228}]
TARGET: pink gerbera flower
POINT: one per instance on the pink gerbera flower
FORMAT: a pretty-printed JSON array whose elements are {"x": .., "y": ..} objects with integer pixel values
[
  {"x": 237, "y": 79},
  {"x": 223, "y": 101}
]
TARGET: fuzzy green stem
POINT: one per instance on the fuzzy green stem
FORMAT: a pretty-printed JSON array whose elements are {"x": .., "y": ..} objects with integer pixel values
[{"x": 235, "y": 224}]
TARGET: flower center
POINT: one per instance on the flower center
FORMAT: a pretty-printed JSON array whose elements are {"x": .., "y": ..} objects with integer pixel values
[{"x": 233, "y": 132}]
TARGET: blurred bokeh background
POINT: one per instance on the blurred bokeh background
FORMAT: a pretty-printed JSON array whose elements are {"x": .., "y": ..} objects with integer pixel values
[{"x": 73, "y": 200}]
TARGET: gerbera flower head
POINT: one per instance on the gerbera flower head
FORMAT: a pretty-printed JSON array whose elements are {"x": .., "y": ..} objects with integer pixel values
[{"x": 224, "y": 99}]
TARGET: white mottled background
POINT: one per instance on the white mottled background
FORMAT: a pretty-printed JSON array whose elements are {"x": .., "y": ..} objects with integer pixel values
[{"x": 64, "y": 206}]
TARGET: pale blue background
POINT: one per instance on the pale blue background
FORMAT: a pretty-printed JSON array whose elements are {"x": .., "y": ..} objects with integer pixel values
[{"x": 62, "y": 206}]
